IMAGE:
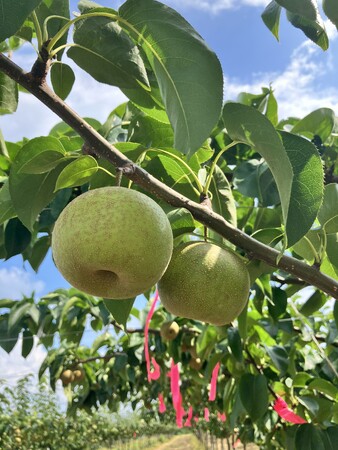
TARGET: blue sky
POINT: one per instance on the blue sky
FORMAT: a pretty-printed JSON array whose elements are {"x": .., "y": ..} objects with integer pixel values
[{"x": 303, "y": 76}]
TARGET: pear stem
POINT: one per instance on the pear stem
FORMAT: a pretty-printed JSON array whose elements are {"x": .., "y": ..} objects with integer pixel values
[{"x": 118, "y": 179}]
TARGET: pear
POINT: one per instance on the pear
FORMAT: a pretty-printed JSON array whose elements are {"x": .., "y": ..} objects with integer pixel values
[
  {"x": 205, "y": 282},
  {"x": 112, "y": 242},
  {"x": 78, "y": 374},
  {"x": 169, "y": 330},
  {"x": 67, "y": 377}
]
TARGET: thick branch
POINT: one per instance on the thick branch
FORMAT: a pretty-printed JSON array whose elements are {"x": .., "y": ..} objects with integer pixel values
[{"x": 104, "y": 149}]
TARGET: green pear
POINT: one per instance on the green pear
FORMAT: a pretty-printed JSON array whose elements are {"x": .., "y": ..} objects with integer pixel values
[
  {"x": 205, "y": 282},
  {"x": 195, "y": 363},
  {"x": 112, "y": 242},
  {"x": 169, "y": 330},
  {"x": 67, "y": 377},
  {"x": 78, "y": 374}
]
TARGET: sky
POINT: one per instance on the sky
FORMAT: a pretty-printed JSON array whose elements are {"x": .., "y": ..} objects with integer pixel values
[{"x": 302, "y": 76}]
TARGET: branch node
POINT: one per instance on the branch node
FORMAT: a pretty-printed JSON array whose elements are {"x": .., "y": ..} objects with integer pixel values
[
  {"x": 41, "y": 66},
  {"x": 205, "y": 200}
]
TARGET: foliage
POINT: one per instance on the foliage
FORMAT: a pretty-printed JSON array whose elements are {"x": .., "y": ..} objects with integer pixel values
[
  {"x": 274, "y": 181},
  {"x": 34, "y": 420}
]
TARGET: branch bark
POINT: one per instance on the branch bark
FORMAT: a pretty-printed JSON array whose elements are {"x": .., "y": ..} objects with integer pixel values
[{"x": 95, "y": 142}]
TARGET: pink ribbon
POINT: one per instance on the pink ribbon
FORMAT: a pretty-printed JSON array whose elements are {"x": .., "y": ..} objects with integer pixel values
[
  {"x": 206, "y": 414},
  {"x": 222, "y": 417},
  {"x": 188, "y": 420},
  {"x": 282, "y": 409},
  {"x": 174, "y": 376},
  {"x": 213, "y": 386},
  {"x": 161, "y": 408},
  {"x": 155, "y": 374}
]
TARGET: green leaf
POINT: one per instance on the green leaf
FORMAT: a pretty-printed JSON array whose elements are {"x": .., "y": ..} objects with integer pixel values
[
  {"x": 332, "y": 249},
  {"x": 27, "y": 343},
  {"x": 120, "y": 362},
  {"x": 235, "y": 343},
  {"x": 106, "y": 52},
  {"x": 18, "y": 312},
  {"x": 279, "y": 357},
  {"x": 8, "y": 94},
  {"x": 313, "y": 29},
  {"x": 8, "y": 338},
  {"x": 254, "y": 179},
  {"x": 332, "y": 437},
  {"x": 301, "y": 379},
  {"x": 264, "y": 336},
  {"x": 120, "y": 309},
  {"x": 183, "y": 66},
  {"x": 173, "y": 173},
  {"x": 41, "y": 155},
  {"x": 6, "y": 303},
  {"x": 308, "y": 437},
  {"x": 62, "y": 78},
  {"x": 279, "y": 303},
  {"x": 39, "y": 251},
  {"x": 6, "y": 207},
  {"x": 246, "y": 124},
  {"x": 102, "y": 340},
  {"x": 309, "y": 246},
  {"x": 318, "y": 123},
  {"x": 330, "y": 8},
  {"x": 253, "y": 391},
  {"x": 272, "y": 109},
  {"x": 206, "y": 341},
  {"x": 31, "y": 193},
  {"x": 313, "y": 304},
  {"x": 307, "y": 185},
  {"x": 305, "y": 8},
  {"x": 77, "y": 172},
  {"x": 13, "y": 14},
  {"x": 328, "y": 214},
  {"x": 17, "y": 238},
  {"x": 271, "y": 18},
  {"x": 324, "y": 387},
  {"x": 181, "y": 221},
  {"x": 223, "y": 201},
  {"x": 335, "y": 313},
  {"x": 150, "y": 132},
  {"x": 329, "y": 269}
]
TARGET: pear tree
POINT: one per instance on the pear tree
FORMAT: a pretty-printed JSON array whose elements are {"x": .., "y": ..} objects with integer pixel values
[{"x": 248, "y": 322}]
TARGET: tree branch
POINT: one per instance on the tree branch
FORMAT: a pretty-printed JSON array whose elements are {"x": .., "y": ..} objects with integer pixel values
[{"x": 104, "y": 149}]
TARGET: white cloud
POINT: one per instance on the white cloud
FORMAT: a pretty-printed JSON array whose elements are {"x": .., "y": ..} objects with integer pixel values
[
  {"x": 16, "y": 282},
  {"x": 296, "y": 87},
  {"x": 14, "y": 366},
  {"x": 88, "y": 97},
  {"x": 215, "y": 6}
]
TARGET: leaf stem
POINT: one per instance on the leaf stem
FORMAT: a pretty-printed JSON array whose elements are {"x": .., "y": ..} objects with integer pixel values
[
  {"x": 37, "y": 30},
  {"x": 56, "y": 50},
  {"x": 313, "y": 250},
  {"x": 71, "y": 22},
  {"x": 45, "y": 30},
  {"x": 214, "y": 163}
]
